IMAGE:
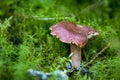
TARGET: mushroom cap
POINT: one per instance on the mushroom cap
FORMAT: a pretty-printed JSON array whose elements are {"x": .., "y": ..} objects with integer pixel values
[
  {"x": 90, "y": 32},
  {"x": 69, "y": 32}
]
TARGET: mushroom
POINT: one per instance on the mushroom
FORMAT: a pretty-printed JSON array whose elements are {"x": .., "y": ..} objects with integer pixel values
[{"x": 76, "y": 35}]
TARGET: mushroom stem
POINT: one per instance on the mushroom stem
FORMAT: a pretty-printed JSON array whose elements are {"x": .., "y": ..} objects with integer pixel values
[{"x": 76, "y": 56}]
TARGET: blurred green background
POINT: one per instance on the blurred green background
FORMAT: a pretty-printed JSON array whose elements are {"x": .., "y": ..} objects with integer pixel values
[{"x": 25, "y": 40}]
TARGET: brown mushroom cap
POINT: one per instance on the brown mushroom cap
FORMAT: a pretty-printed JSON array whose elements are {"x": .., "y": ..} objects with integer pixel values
[
  {"x": 69, "y": 32},
  {"x": 90, "y": 32}
]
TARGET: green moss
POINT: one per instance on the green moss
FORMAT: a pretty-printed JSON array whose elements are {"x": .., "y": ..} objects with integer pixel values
[{"x": 25, "y": 40}]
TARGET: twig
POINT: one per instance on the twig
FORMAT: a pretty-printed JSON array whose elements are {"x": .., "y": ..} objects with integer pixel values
[
  {"x": 106, "y": 47},
  {"x": 40, "y": 18},
  {"x": 47, "y": 18},
  {"x": 93, "y": 6}
]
